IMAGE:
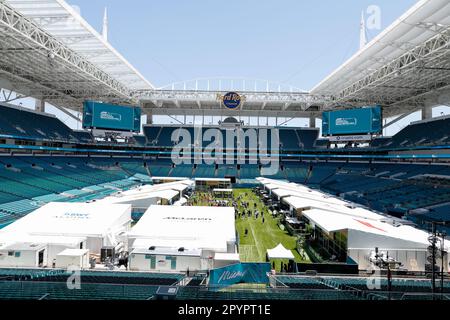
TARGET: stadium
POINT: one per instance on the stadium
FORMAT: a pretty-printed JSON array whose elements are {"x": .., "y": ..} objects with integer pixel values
[{"x": 215, "y": 189}]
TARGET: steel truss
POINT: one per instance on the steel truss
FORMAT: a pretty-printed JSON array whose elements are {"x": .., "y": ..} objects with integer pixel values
[
  {"x": 36, "y": 60},
  {"x": 407, "y": 79}
]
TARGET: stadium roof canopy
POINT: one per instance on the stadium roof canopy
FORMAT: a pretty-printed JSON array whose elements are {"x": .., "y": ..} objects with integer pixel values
[
  {"x": 406, "y": 65},
  {"x": 50, "y": 52}
]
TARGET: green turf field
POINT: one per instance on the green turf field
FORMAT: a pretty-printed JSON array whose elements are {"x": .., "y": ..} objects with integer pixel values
[{"x": 261, "y": 236}]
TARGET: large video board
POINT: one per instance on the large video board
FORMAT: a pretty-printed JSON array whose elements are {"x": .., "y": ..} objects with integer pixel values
[
  {"x": 365, "y": 120},
  {"x": 111, "y": 117}
]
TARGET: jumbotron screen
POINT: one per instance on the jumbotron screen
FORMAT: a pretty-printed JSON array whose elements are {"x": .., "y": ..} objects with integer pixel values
[
  {"x": 111, "y": 117},
  {"x": 353, "y": 121}
]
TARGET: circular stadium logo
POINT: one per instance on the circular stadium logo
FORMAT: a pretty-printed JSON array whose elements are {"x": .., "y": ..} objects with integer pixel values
[{"x": 231, "y": 100}]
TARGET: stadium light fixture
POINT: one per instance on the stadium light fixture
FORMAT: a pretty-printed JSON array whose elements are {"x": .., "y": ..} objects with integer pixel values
[{"x": 387, "y": 263}]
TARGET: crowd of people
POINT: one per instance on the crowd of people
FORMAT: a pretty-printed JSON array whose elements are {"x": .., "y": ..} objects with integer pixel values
[
  {"x": 208, "y": 199},
  {"x": 243, "y": 208}
]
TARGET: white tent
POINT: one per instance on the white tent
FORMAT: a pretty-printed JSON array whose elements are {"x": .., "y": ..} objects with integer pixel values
[
  {"x": 62, "y": 225},
  {"x": 145, "y": 196},
  {"x": 174, "y": 238},
  {"x": 280, "y": 252},
  {"x": 404, "y": 243},
  {"x": 189, "y": 227},
  {"x": 73, "y": 258}
]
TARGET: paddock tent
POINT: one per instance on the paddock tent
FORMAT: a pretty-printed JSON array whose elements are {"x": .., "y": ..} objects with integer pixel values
[
  {"x": 76, "y": 258},
  {"x": 23, "y": 255},
  {"x": 282, "y": 189},
  {"x": 143, "y": 199},
  {"x": 225, "y": 259},
  {"x": 280, "y": 252},
  {"x": 282, "y": 193},
  {"x": 192, "y": 235},
  {"x": 301, "y": 204},
  {"x": 62, "y": 225},
  {"x": 145, "y": 196},
  {"x": 359, "y": 237}
]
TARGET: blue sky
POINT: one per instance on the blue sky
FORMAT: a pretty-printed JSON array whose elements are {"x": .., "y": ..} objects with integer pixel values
[{"x": 296, "y": 42}]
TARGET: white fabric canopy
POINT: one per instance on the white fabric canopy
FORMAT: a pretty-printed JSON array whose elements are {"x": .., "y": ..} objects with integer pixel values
[
  {"x": 189, "y": 227},
  {"x": 280, "y": 252}
]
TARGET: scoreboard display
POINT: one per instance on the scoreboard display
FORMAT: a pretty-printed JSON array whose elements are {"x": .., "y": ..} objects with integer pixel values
[
  {"x": 366, "y": 120},
  {"x": 111, "y": 117}
]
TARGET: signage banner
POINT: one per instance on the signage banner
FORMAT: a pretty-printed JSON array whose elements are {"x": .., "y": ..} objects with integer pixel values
[
  {"x": 240, "y": 273},
  {"x": 231, "y": 100},
  {"x": 367, "y": 137}
]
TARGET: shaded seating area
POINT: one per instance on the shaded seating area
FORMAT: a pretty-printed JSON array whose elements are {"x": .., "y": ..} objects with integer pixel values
[{"x": 24, "y": 123}]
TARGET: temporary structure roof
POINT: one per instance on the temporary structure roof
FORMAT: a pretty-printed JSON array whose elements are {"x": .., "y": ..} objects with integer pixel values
[
  {"x": 164, "y": 191},
  {"x": 279, "y": 252},
  {"x": 221, "y": 256},
  {"x": 213, "y": 179},
  {"x": 73, "y": 252},
  {"x": 180, "y": 202},
  {"x": 189, "y": 227},
  {"x": 332, "y": 221},
  {"x": 23, "y": 246},
  {"x": 176, "y": 243},
  {"x": 68, "y": 219},
  {"x": 167, "y": 251},
  {"x": 299, "y": 203}
]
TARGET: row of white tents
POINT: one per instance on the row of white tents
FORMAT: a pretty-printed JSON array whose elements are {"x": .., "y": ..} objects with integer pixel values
[
  {"x": 362, "y": 229},
  {"x": 166, "y": 238}
]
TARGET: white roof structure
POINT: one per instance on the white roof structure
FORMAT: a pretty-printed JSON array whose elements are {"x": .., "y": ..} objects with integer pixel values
[
  {"x": 400, "y": 67},
  {"x": 361, "y": 231},
  {"x": 188, "y": 227},
  {"x": 366, "y": 229},
  {"x": 73, "y": 252},
  {"x": 56, "y": 221},
  {"x": 302, "y": 197},
  {"x": 180, "y": 185},
  {"x": 69, "y": 61},
  {"x": 143, "y": 248},
  {"x": 169, "y": 178},
  {"x": 281, "y": 192},
  {"x": 287, "y": 189},
  {"x": 305, "y": 203},
  {"x": 144, "y": 196},
  {"x": 22, "y": 246},
  {"x": 147, "y": 189},
  {"x": 213, "y": 179},
  {"x": 61, "y": 241},
  {"x": 63, "y": 22},
  {"x": 221, "y": 256},
  {"x": 222, "y": 190},
  {"x": 139, "y": 197},
  {"x": 180, "y": 202},
  {"x": 280, "y": 252}
]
